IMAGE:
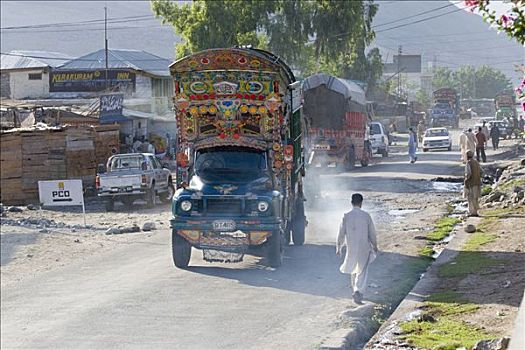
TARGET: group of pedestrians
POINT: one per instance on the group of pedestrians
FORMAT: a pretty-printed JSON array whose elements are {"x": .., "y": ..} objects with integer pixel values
[{"x": 476, "y": 142}]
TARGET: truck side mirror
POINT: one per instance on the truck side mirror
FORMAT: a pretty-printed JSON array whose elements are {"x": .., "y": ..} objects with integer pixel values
[
  {"x": 144, "y": 166},
  {"x": 101, "y": 168}
]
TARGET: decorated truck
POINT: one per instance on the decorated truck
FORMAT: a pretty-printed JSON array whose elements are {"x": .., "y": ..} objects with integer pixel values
[
  {"x": 505, "y": 104},
  {"x": 336, "y": 120},
  {"x": 446, "y": 108},
  {"x": 239, "y": 160}
]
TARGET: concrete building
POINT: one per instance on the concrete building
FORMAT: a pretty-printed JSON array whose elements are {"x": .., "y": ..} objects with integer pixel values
[{"x": 25, "y": 74}]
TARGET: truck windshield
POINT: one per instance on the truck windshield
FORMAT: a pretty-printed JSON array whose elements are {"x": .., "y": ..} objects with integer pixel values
[
  {"x": 125, "y": 163},
  {"x": 231, "y": 165}
]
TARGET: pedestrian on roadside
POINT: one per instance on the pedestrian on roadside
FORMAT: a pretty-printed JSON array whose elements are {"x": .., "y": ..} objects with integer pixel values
[
  {"x": 358, "y": 234},
  {"x": 472, "y": 188},
  {"x": 485, "y": 130},
  {"x": 420, "y": 131},
  {"x": 137, "y": 145},
  {"x": 467, "y": 142},
  {"x": 412, "y": 145},
  {"x": 494, "y": 135},
  {"x": 481, "y": 140}
]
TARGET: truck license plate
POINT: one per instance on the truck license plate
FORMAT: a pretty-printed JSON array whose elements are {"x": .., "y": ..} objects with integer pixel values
[{"x": 224, "y": 225}]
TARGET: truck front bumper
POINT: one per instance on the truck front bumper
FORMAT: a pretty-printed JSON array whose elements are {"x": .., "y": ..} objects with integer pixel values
[{"x": 248, "y": 232}]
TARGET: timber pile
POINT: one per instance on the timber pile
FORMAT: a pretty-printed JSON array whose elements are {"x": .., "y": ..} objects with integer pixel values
[{"x": 31, "y": 155}]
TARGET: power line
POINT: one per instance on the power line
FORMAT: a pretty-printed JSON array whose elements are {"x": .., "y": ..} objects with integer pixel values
[
  {"x": 77, "y": 23},
  {"x": 419, "y": 21},
  {"x": 82, "y": 30},
  {"x": 412, "y": 16},
  {"x": 83, "y": 59}
]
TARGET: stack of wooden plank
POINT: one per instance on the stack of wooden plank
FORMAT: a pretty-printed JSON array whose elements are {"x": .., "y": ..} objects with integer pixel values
[
  {"x": 106, "y": 142},
  {"x": 11, "y": 169},
  {"x": 32, "y": 155}
]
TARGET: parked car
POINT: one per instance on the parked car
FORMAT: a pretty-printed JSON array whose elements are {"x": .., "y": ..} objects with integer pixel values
[
  {"x": 128, "y": 177},
  {"x": 437, "y": 138},
  {"x": 379, "y": 139}
]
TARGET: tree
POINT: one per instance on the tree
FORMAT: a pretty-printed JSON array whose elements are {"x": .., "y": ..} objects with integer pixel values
[
  {"x": 312, "y": 36},
  {"x": 423, "y": 99},
  {"x": 481, "y": 82}
]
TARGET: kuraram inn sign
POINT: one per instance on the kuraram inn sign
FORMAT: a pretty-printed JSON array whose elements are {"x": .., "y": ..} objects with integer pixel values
[{"x": 90, "y": 80}]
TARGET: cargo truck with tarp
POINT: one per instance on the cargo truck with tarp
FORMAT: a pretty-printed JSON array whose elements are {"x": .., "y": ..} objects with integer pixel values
[
  {"x": 239, "y": 160},
  {"x": 336, "y": 119}
]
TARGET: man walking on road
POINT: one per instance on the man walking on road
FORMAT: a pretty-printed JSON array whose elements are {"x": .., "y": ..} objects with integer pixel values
[
  {"x": 467, "y": 142},
  {"x": 485, "y": 131},
  {"x": 472, "y": 190},
  {"x": 358, "y": 234},
  {"x": 480, "y": 146},
  {"x": 412, "y": 145},
  {"x": 494, "y": 135},
  {"x": 420, "y": 131}
]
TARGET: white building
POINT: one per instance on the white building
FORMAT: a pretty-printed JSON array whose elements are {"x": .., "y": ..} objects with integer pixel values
[{"x": 25, "y": 74}]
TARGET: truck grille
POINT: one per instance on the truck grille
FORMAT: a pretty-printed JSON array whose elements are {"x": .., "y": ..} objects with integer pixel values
[{"x": 224, "y": 206}]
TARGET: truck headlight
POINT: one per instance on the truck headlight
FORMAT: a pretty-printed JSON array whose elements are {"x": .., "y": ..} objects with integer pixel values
[
  {"x": 185, "y": 205},
  {"x": 262, "y": 206}
]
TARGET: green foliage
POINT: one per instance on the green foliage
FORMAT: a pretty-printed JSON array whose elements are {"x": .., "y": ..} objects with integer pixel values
[
  {"x": 423, "y": 98},
  {"x": 443, "y": 228},
  {"x": 486, "y": 190},
  {"x": 311, "y": 36},
  {"x": 427, "y": 251},
  {"x": 478, "y": 239},
  {"x": 512, "y": 22},
  {"x": 470, "y": 82},
  {"x": 447, "y": 332},
  {"x": 511, "y": 184}
]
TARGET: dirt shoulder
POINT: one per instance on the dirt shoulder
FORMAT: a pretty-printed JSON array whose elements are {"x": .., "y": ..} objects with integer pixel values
[
  {"x": 34, "y": 241},
  {"x": 473, "y": 291}
]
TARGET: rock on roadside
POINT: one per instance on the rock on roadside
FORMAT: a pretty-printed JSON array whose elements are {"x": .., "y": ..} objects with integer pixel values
[{"x": 149, "y": 226}]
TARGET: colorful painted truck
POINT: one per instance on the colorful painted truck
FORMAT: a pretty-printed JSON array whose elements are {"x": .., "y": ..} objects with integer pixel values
[
  {"x": 240, "y": 162},
  {"x": 445, "y": 111},
  {"x": 336, "y": 119},
  {"x": 505, "y": 104}
]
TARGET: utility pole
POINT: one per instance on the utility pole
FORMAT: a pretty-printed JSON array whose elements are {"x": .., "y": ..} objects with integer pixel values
[
  {"x": 399, "y": 52},
  {"x": 106, "y": 43}
]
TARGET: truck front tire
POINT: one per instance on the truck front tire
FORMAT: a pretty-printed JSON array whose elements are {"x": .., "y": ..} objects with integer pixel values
[
  {"x": 180, "y": 250},
  {"x": 299, "y": 223},
  {"x": 274, "y": 249}
]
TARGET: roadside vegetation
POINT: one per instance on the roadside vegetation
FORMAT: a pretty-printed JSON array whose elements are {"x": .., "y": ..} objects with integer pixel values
[
  {"x": 442, "y": 323},
  {"x": 444, "y": 226}
]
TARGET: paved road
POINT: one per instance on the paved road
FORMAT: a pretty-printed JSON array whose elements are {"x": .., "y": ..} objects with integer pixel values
[{"x": 133, "y": 298}]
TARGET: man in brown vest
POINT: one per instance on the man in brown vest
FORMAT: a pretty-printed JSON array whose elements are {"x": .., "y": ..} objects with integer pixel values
[{"x": 472, "y": 183}]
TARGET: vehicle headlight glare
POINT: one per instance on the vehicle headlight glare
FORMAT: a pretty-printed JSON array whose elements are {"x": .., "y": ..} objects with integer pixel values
[
  {"x": 262, "y": 206},
  {"x": 185, "y": 205}
]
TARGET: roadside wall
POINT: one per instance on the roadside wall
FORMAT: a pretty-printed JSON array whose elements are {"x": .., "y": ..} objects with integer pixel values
[{"x": 31, "y": 155}]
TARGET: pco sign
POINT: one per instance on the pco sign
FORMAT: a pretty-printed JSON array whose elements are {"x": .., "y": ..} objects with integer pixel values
[{"x": 62, "y": 193}]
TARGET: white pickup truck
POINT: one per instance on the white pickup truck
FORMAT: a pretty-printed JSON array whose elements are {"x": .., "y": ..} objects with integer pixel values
[{"x": 132, "y": 176}]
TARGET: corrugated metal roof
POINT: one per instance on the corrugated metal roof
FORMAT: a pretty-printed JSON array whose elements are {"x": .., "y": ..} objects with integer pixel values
[
  {"x": 32, "y": 59},
  {"x": 347, "y": 88},
  {"x": 121, "y": 59}
]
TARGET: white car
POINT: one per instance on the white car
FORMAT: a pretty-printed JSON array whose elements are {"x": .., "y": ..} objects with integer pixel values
[
  {"x": 436, "y": 138},
  {"x": 379, "y": 139}
]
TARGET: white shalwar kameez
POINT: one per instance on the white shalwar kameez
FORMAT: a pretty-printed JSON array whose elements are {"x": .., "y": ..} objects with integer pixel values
[
  {"x": 358, "y": 233},
  {"x": 467, "y": 142}
]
